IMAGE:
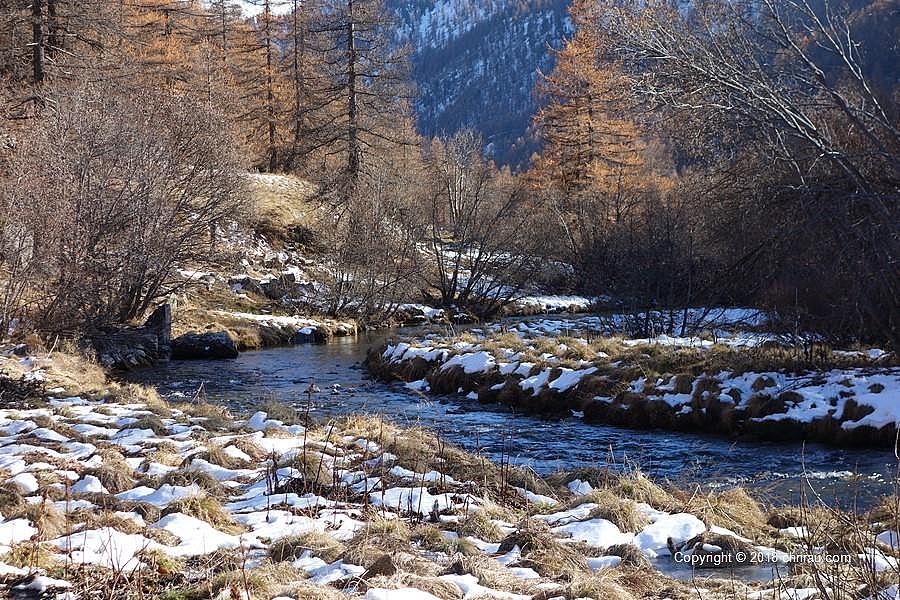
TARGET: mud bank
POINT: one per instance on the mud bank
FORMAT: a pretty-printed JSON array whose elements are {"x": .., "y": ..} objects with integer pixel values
[{"x": 853, "y": 406}]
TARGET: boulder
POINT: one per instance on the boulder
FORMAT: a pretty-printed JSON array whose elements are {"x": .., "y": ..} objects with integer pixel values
[
  {"x": 246, "y": 283},
  {"x": 130, "y": 347},
  {"x": 200, "y": 346}
]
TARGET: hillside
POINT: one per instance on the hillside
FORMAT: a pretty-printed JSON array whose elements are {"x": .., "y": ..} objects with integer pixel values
[{"x": 476, "y": 64}]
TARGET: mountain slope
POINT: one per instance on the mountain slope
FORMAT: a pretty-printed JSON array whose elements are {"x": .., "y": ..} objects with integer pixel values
[{"x": 475, "y": 63}]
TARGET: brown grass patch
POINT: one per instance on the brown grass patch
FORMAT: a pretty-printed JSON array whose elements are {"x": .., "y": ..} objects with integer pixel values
[
  {"x": 478, "y": 525},
  {"x": 623, "y": 513},
  {"x": 188, "y": 477},
  {"x": 640, "y": 488},
  {"x": 543, "y": 552},
  {"x": 114, "y": 473},
  {"x": 50, "y": 522},
  {"x": 733, "y": 509},
  {"x": 206, "y": 508},
  {"x": 318, "y": 544},
  {"x": 379, "y": 535}
]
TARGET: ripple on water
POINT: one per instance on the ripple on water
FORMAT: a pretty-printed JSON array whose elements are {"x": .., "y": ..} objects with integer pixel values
[{"x": 546, "y": 446}]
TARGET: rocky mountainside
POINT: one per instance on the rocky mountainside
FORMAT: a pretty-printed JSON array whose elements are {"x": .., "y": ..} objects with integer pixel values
[{"x": 475, "y": 63}]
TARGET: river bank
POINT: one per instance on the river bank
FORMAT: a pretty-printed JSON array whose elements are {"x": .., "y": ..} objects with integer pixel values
[
  {"x": 111, "y": 492},
  {"x": 737, "y": 384}
]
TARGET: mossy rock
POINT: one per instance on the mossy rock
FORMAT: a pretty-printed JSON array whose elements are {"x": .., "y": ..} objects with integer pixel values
[{"x": 762, "y": 383}]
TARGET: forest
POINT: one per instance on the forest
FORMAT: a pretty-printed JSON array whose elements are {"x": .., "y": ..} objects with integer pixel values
[
  {"x": 266, "y": 339},
  {"x": 719, "y": 153}
]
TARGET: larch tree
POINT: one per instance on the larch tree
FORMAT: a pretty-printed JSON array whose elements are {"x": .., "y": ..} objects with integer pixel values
[
  {"x": 591, "y": 150},
  {"x": 256, "y": 51},
  {"x": 363, "y": 99}
]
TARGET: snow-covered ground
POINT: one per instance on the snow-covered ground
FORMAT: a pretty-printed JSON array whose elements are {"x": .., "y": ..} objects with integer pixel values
[
  {"x": 605, "y": 378},
  {"x": 124, "y": 478}
]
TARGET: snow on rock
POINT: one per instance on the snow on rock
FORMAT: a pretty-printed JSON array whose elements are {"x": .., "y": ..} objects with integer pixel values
[
  {"x": 41, "y": 584},
  {"x": 10, "y": 571},
  {"x": 889, "y": 538},
  {"x": 106, "y": 547},
  {"x": 26, "y": 483},
  {"x": 89, "y": 485},
  {"x": 470, "y": 588},
  {"x": 323, "y": 573},
  {"x": 162, "y": 497},
  {"x": 536, "y": 498},
  {"x": 680, "y": 527},
  {"x": 398, "y": 594},
  {"x": 598, "y": 533},
  {"x": 472, "y": 362},
  {"x": 15, "y": 531},
  {"x": 197, "y": 537},
  {"x": 580, "y": 488},
  {"x": 415, "y": 500},
  {"x": 569, "y": 378},
  {"x": 604, "y": 562},
  {"x": 554, "y": 304}
]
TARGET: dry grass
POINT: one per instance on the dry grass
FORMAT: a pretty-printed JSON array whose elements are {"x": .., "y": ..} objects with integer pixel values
[
  {"x": 598, "y": 587},
  {"x": 576, "y": 349},
  {"x": 10, "y": 498},
  {"x": 262, "y": 582},
  {"x": 379, "y": 535},
  {"x": 215, "y": 418},
  {"x": 188, "y": 477},
  {"x": 478, "y": 525},
  {"x": 281, "y": 202},
  {"x": 49, "y": 521},
  {"x": 489, "y": 573},
  {"x": 314, "y": 467},
  {"x": 281, "y": 412},
  {"x": 506, "y": 341},
  {"x": 149, "y": 421},
  {"x": 630, "y": 554},
  {"x": 318, "y": 544},
  {"x": 640, "y": 488},
  {"x": 543, "y": 552},
  {"x": 206, "y": 508},
  {"x": 215, "y": 454},
  {"x": 163, "y": 457},
  {"x": 249, "y": 447},
  {"x": 433, "y": 539},
  {"x": 114, "y": 473},
  {"x": 96, "y": 519},
  {"x": 308, "y": 591},
  {"x": 58, "y": 426},
  {"x": 621, "y": 512},
  {"x": 131, "y": 393},
  {"x": 441, "y": 588},
  {"x": 30, "y": 555},
  {"x": 733, "y": 509}
]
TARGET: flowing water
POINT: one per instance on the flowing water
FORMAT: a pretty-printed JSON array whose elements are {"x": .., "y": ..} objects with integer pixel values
[{"x": 776, "y": 471}]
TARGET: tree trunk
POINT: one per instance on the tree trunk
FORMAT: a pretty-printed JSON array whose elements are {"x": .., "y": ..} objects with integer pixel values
[
  {"x": 270, "y": 88},
  {"x": 37, "y": 40},
  {"x": 299, "y": 48},
  {"x": 53, "y": 41},
  {"x": 353, "y": 150}
]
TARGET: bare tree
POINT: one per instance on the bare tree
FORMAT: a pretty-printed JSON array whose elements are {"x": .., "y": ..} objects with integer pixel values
[
  {"x": 134, "y": 189},
  {"x": 482, "y": 248},
  {"x": 362, "y": 111},
  {"x": 783, "y": 85}
]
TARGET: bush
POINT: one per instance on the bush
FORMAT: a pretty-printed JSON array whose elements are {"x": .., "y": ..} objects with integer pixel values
[{"x": 105, "y": 195}]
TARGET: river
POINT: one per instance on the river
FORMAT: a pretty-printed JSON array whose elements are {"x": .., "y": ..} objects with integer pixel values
[{"x": 775, "y": 471}]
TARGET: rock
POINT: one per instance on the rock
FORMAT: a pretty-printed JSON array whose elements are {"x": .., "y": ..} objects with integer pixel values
[
  {"x": 129, "y": 347},
  {"x": 208, "y": 345},
  {"x": 246, "y": 283},
  {"x": 383, "y": 565}
]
